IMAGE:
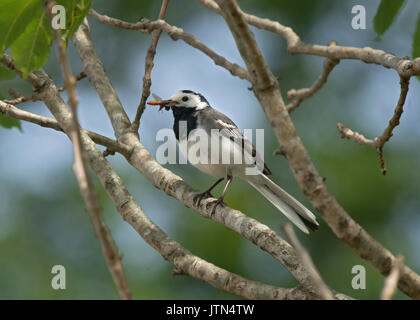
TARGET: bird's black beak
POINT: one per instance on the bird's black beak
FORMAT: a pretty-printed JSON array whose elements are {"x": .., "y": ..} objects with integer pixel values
[{"x": 162, "y": 104}]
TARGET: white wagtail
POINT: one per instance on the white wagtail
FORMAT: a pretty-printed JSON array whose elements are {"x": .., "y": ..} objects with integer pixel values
[{"x": 195, "y": 111}]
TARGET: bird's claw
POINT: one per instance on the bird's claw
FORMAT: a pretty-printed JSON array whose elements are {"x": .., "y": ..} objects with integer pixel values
[
  {"x": 200, "y": 197},
  {"x": 218, "y": 202}
]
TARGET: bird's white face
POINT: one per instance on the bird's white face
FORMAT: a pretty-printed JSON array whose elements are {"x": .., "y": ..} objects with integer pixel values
[
  {"x": 182, "y": 99},
  {"x": 189, "y": 99}
]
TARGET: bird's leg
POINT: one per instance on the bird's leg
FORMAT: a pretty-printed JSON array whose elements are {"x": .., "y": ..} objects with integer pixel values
[
  {"x": 220, "y": 199},
  {"x": 206, "y": 194}
]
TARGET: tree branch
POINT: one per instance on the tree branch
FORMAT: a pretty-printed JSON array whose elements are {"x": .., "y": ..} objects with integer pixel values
[
  {"x": 304, "y": 170},
  {"x": 118, "y": 116},
  {"x": 146, "y": 26},
  {"x": 295, "y": 45},
  {"x": 19, "y": 98},
  {"x": 108, "y": 246},
  {"x": 379, "y": 142},
  {"x": 11, "y": 111},
  {"x": 391, "y": 281},
  {"x": 318, "y": 284},
  {"x": 302, "y": 94},
  {"x": 147, "y": 79}
]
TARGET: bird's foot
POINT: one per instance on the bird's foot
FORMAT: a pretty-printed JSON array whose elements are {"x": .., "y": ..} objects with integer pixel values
[
  {"x": 201, "y": 196},
  {"x": 218, "y": 202}
]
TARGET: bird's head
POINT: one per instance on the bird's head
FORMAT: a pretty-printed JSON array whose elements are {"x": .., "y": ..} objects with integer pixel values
[{"x": 183, "y": 99}]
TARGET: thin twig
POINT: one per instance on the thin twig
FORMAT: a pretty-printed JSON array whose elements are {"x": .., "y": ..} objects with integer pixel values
[
  {"x": 146, "y": 26},
  {"x": 147, "y": 78},
  {"x": 395, "y": 120},
  {"x": 19, "y": 98},
  {"x": 298, "y": 96},
  {"x": 295, "y": 45},
  {"x": 379, "y": 142},
  {"x": 79, "y": 77},
  {"x": 391, "y": 281},
  {"x": 87, "y": 189},
  {"x": 318, "y": 284},
  {"x": 11, "y": 111},
  {"x": 7, "y": 61}
]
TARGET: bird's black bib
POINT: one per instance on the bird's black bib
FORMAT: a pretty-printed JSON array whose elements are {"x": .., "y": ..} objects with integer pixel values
[{"x": 184, "y": 114}]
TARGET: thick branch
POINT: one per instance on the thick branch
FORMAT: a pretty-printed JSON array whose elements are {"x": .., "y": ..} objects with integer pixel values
[
  {"x": 146, "y": 26},
  {"x": 118, "y": 116},
  {"x": 147, "y": 79},
  {"x": 303, "y": 169}
]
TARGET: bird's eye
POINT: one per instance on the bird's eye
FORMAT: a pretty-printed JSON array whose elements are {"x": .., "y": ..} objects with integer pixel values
[{"x": 185, "y": 98}]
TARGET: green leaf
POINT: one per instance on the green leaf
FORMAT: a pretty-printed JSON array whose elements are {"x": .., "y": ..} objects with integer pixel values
[
  {"x": 78, "y": 10},
  {"x": 32, "y": 49},
  {"x": 386, "y": 14},
  {"x": 14, "y": 18},
  {"x": 28, "y": 31},
  {"x": 70, "y": 7},
  {"x": 416, "y": 42},
  {"x": 6, "y": 74},
  {"x": 9, "y": 123}
]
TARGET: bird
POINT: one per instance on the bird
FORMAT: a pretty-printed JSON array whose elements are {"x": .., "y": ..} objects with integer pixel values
[{"x": 194, "y": 111}]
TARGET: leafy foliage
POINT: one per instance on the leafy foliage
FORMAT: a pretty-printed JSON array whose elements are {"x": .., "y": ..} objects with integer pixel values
[
  {"x": 32, "y": 49},
  {"x": 78, "y": 12},
  {"x": 15, "y": 17},
  {"x": 9, "y": 123},
  {"x": 26, "y": 29},
  {"x": 6, "y": 74},
  {"x": 386, "y": 14}
]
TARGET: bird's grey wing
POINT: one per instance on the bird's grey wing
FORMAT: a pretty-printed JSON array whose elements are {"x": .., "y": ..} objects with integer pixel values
[{"x": 230, "y": 130}]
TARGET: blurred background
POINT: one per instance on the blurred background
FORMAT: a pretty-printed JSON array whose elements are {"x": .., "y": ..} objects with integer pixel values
[{"x": 42, "y": 217}]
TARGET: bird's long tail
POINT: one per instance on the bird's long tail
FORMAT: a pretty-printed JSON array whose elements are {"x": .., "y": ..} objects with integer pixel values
[{"x": 289, "y": 206}]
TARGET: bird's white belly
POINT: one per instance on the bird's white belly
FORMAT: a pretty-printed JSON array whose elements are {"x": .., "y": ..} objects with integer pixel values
[{"x": 224, "y": 162}]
